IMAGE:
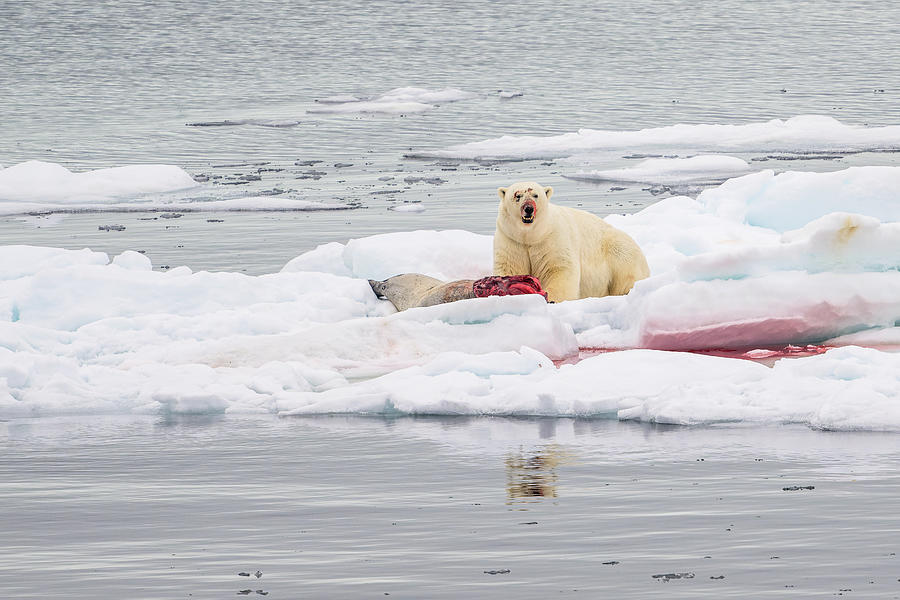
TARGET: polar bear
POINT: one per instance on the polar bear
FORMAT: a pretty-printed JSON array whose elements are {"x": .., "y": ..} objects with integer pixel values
[{"x": 574, "y": 254}]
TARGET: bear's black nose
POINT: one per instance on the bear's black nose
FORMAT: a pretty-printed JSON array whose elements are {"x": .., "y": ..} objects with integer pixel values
[{"x": 528, "y": 209}]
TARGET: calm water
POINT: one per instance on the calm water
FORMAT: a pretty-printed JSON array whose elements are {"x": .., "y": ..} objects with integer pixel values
[
  {"x": 422, "y": 508},
  {"x": 335, "y": 507}
]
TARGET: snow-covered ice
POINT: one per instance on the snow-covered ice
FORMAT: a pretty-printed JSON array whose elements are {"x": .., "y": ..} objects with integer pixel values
[
  {"x": 760, "y": 262},
  {"x": 791, "y": 200},
  {"x": 396, "y": 101}
]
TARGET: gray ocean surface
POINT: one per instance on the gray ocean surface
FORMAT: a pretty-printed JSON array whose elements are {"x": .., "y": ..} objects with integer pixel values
[
  {"x": 92, "y": 85},
  {"x": 355, "y": 507}
]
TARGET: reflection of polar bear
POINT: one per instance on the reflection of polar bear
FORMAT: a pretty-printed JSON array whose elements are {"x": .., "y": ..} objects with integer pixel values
[{"x": 575, "y": 254}]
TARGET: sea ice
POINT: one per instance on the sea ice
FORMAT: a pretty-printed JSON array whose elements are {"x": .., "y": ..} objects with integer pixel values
[
  {"x": 412, "y": 207},
  {"x": 805, "y": 133},
  {"x": 396, "y": 101},
  {"x": 41, "y": 187},
  {"x": 668, "y": 171},
  {"x": 80, "y": 333},
  {"x": 791, "y": 200},
  {"x": 50, "y": 183}
]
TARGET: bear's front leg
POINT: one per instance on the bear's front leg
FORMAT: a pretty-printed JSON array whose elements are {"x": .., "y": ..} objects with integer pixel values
[
  {"x": 510, "y": 258},
  {"x": 562, "y": 284}
]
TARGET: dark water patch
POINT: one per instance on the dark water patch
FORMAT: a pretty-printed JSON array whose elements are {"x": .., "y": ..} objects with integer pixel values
[
  {"x": 799, "y": 156},
  {"x": 241, "y": 164},
  {"x": 238, "y": 122},
  {"x": 671, "y": 576},
  {"x": 225, "y": 123},
  {"x": 424, "y": 179}
]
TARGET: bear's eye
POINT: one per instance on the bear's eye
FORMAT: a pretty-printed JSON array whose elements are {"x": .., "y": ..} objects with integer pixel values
[{"x": 535, "y": 195}]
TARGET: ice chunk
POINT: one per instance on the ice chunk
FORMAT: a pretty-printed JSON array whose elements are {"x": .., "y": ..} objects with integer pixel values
[
  {"x": 399, "y": 100},
  {"x": 663, "y": 171},
  {"x": 791, "y": 200},
  {"x": 373, "y": 106},
  {"x": 133, "y": 260},
  {"x": 42, "y": 182}
]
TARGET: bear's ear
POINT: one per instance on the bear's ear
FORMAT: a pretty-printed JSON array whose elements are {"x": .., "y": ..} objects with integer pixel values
[
  {"x": 501, "y": 192},
  {"x": 549, "y": 191}
]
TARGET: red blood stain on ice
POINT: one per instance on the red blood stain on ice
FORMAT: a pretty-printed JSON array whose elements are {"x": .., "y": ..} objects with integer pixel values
[{"x": 762, "y": 355}]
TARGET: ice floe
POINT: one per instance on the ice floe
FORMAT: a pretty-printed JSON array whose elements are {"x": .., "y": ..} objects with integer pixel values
[
  {"x": 667, "y": 171},
  {"x": 806, "y": 133},
  {"x": 396, "y": 101},
  {"x": 846, "y": 388},
  {"x": 50, "y": 183},
  {"x": 42, "y": 187},
  {"x": 83, "y": 333}
]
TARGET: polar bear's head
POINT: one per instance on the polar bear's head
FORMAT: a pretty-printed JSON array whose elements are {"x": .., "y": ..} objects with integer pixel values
[{"x": 523, "y": 203}]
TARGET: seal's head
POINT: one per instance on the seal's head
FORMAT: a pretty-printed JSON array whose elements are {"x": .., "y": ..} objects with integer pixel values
[
  {"x": 406, "y": 290},
  {"x": 522, "y": 206},
  {"x": 379, "y": 288}
]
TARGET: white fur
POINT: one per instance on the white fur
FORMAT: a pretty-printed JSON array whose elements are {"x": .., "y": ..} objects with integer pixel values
[{"x": 573, "y": 253}]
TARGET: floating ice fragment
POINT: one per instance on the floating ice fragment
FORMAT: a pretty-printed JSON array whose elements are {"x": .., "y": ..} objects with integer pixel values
[
  {"x": 41, "y": 182},
  {"x": 399, "y": 100},
  {"x": 666, "y": 171},
  {"x": 411, "y": 207}
]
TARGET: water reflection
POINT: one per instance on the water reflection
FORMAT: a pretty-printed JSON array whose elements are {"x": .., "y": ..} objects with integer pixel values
[{"x": 532, "y": 474}]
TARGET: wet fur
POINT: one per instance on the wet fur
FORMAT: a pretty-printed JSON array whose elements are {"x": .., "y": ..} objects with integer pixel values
[{"x": 574, "y": 253}]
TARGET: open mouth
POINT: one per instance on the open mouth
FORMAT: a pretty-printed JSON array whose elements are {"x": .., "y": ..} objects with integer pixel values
[{"x": 529, "y": 210}]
